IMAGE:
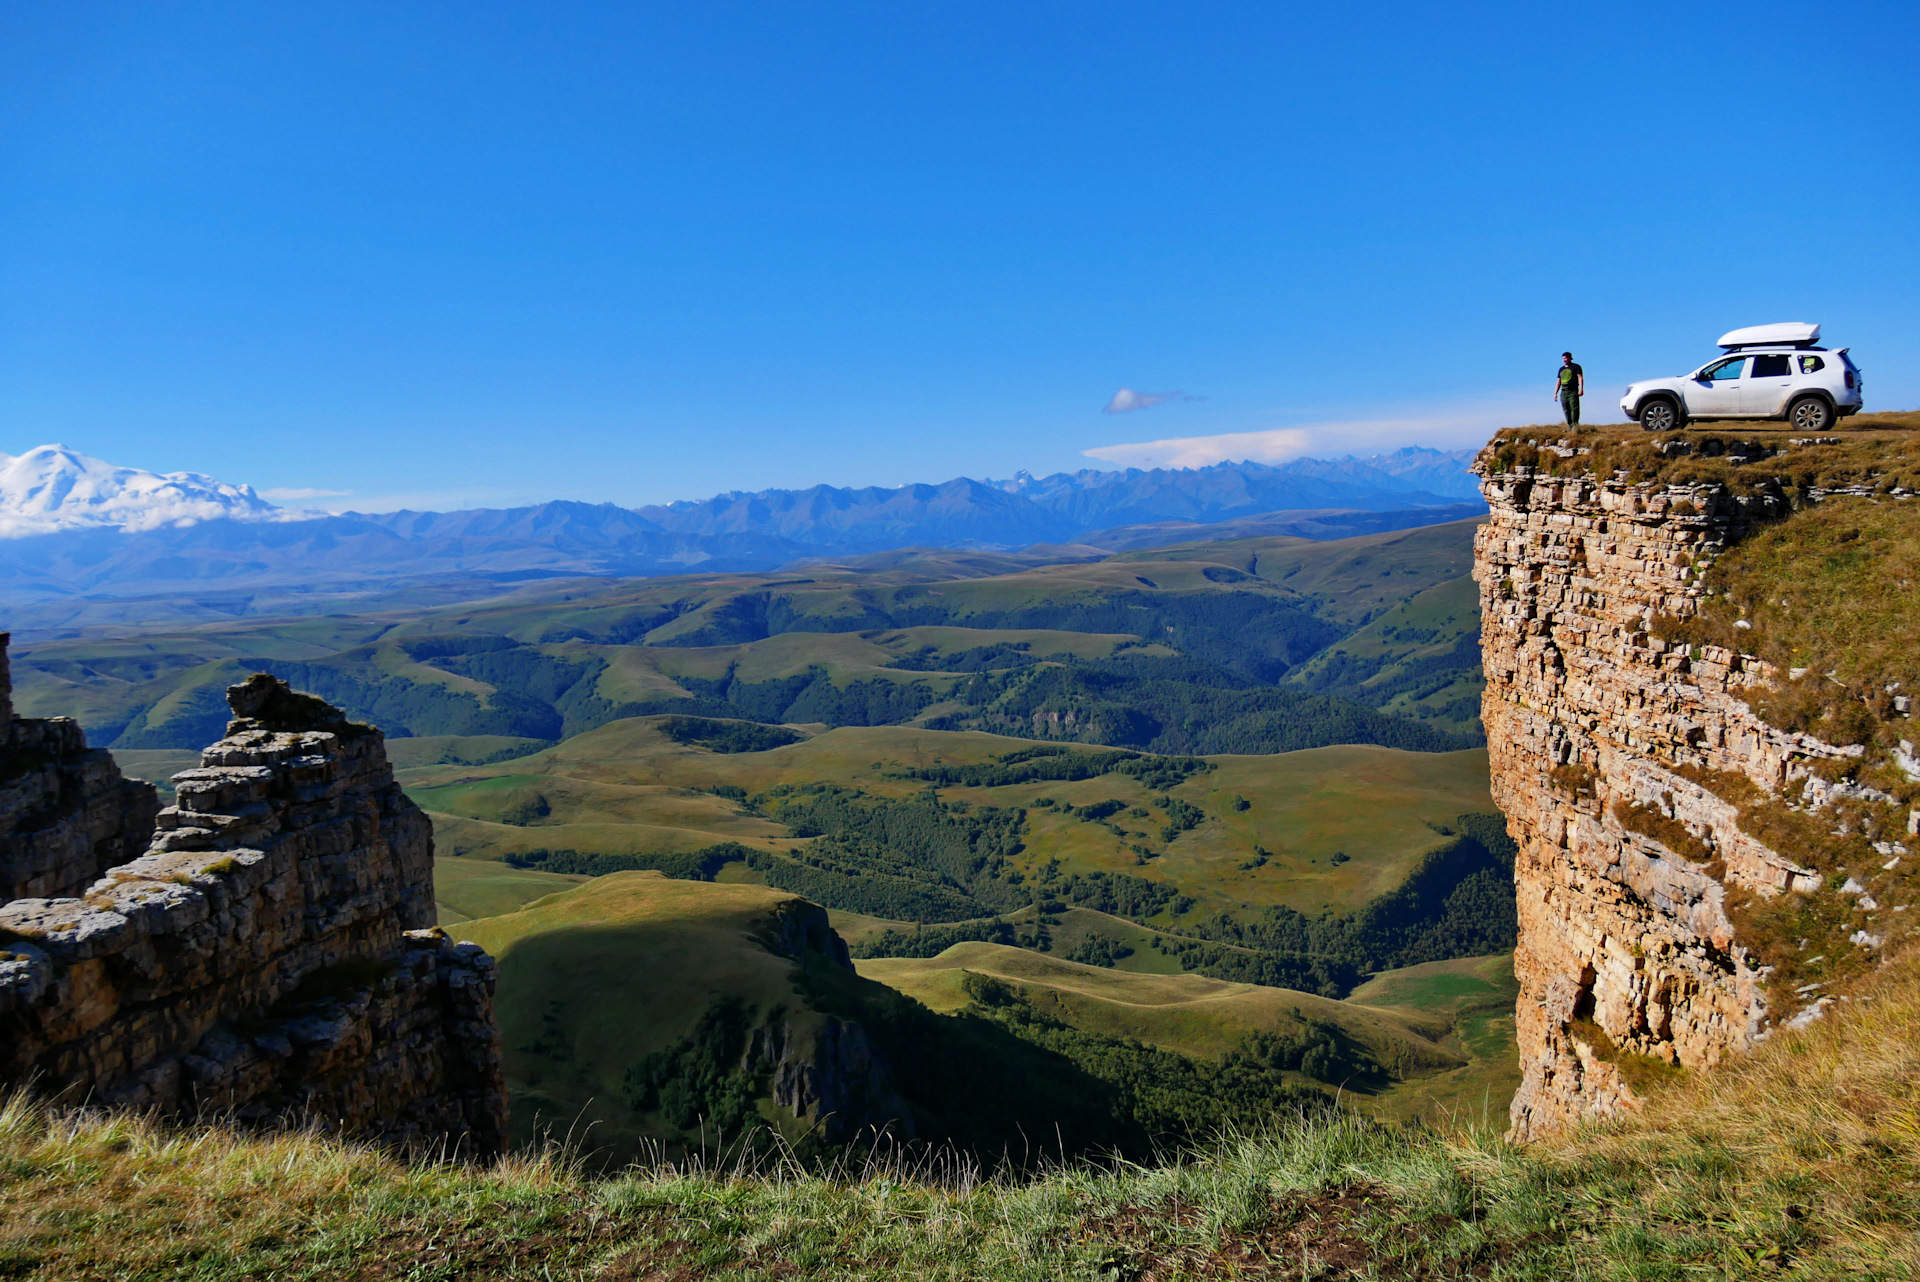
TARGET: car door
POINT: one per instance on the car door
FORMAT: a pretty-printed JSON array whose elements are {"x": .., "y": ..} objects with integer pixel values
[
  {"x": 1768, "y": 383},
  {"x": 1715, "y": 391}
]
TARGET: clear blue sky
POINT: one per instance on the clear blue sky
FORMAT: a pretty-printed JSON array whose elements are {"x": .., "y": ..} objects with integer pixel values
[{"x": 481, "y": 253}]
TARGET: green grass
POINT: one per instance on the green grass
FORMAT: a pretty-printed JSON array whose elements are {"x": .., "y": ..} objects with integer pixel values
[
  {"x": 1462, "y": 984},
  {"x": 1193, "y": 1015},
  {"x": 626, "y": 788},
  {"x": 1407, "y": 660},
  {"x": 453, "y": 749},
  {"x": 594, "y": 978},
  {"x": 1799, "y": 1160},
  {"x": 1829, "y": 592},
  {"x": 1068, "y": 927},
  {"x": 1475, "y": 996},
  {"x": 464, "y": 889},
  {"x": 1071, "y": 927},
  {"x": 155, "y": 683},
  {"x": 1352, "y": 580}
]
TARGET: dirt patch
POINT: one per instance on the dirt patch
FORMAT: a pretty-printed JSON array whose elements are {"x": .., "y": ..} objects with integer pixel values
[
  {"x": 481, "y": 1251},
  {"x": 1322, "y": 1236}
]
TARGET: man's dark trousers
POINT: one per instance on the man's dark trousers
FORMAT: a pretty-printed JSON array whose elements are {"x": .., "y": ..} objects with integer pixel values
[{"x": 1570, "y": 402}]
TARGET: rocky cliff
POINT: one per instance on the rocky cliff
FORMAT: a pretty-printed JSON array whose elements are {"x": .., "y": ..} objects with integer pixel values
[
  {"x": 66, "y": 815},
  {"x": 1655, "y": 810},
  {"x": 268, "y": 957}
]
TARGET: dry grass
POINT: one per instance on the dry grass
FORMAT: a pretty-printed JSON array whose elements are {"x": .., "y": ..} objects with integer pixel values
[
  {"x": 1830, "y": 596},
  {"x": 91, "y": 1195},
  {"x": 1804, "y": 1154},
  {"x": 1882, "y": 451}
]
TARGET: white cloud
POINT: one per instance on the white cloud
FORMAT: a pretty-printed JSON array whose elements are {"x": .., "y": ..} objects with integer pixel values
[
  {"x": 1274, "y": 446},
  {"x": 295, "y": 494},
  {"x": 1126, "y": 400},
  {"x": 1465, "y": 423}
]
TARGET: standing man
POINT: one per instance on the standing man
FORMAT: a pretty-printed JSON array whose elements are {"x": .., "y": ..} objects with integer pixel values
[{"x": 1568, "y": 387}]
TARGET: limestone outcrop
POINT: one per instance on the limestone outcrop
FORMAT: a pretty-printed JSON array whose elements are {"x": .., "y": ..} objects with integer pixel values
[
  {"x": 1600, "y": 736},
  {"x": 66, "y": 814},
  {"x": 269, "y": 957}
]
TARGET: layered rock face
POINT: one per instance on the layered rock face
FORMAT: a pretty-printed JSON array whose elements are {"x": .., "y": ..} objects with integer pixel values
[
  {"x": 1589, "y": 719},
  {"x": 269, "y": 955},
  {"x": 66, "y": 815}
]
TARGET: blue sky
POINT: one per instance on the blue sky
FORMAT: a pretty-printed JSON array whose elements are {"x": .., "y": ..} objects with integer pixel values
[{"x": 477, "y": 254}]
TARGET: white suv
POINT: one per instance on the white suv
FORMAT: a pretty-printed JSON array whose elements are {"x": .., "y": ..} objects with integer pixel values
[{"x": 1770, "y": 371}]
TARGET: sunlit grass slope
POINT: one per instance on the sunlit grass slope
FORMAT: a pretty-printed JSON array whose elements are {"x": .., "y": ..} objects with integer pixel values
[
  {"x": 593, "y": 979},
  {"x": 1340, "y": 825},
  {"x": 1350, "y": 579},
  {"x": 1190, "y": 1014},
  {"x": 1800, "y": 1160},
  {"x": 1475, "y": 996},
  {"x": 1418, "y": 658},
  {"x": 464, "y": 889}
]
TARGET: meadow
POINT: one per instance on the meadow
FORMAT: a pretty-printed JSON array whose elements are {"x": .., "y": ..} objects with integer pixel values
[{"x": 1340, "y": 825}]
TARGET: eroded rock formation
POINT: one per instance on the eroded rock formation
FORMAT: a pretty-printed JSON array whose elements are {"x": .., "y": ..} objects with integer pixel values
[
  {"x": 1623, "y": 940},
  {"x": 824, "y": 1070},
  {"x": 269, "y": 956},
  {"x": 66, "y": 815}
]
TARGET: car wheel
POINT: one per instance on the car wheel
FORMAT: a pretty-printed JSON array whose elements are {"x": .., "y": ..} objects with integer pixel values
[
  {"x": 1660, "y": 415},
  {"x": 1810, "y": 414}
]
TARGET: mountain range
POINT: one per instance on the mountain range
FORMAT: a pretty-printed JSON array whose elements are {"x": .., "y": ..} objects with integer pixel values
[{"x": 75, "y": 531}]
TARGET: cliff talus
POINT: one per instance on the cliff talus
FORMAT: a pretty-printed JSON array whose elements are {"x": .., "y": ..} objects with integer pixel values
[
  {"x": 1629, "y": 768},
  {"x": 268, "y": 956}
]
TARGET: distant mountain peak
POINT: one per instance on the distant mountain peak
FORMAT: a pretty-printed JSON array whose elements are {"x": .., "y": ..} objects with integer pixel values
[{"x": 51, "y": 489}]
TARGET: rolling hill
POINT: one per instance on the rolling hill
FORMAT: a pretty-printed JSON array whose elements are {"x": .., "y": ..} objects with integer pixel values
[
  {"x": 643, "y": 1011},
  {"x": 1340, "y": 825},
  {"x": 1194, "y": 648},
  {"x": 642, "y": 1014},
  {"x": 1191, "y": 1014},
  {"x": 1139, "y": 824}
]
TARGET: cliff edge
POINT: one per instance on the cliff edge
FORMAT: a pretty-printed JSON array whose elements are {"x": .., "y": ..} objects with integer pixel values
[
  {"x": 1695, "y": 867},
  {"x": 269, "y": 957}
]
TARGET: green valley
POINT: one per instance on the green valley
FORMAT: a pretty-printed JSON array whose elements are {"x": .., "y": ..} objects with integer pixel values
[{"x": 1161, "y": 842}]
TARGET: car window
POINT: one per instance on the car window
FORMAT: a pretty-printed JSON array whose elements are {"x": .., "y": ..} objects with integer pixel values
[
  {"x": 1726, "y": 369},
  {"x": 1811, "y": 364},
  {"x": 1765, "y": 366}
]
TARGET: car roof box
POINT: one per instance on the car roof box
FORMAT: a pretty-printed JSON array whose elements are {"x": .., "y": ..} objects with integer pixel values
[{"x": 1785, "y": 334}]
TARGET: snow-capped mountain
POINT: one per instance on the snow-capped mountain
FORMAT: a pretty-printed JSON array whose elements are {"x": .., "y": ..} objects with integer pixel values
[{"x": 52, "y": 489}]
